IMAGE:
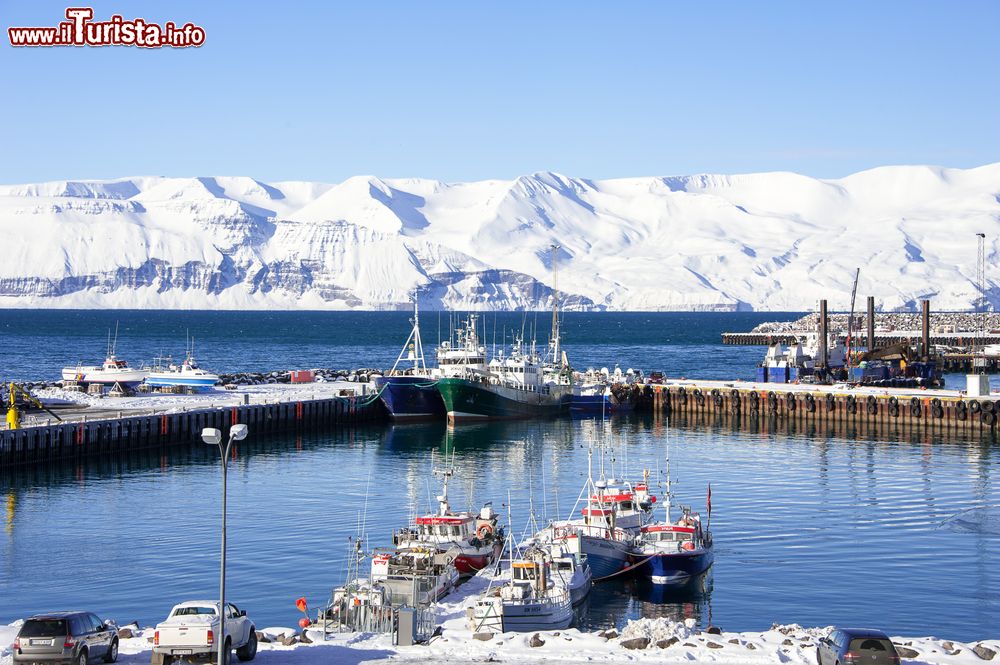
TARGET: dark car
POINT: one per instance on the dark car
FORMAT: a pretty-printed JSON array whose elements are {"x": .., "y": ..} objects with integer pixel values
[
  {"x": 856, "y": 646},
  {"x": 74, "y": 638}
]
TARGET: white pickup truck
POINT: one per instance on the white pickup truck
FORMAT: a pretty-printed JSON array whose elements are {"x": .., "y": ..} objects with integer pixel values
[{"x": 191, "y": 633}]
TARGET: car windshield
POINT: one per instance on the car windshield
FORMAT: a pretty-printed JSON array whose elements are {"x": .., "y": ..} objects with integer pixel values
[
  {"x": 43, "y": 627},
  {"x": 191, "y": 611},
  {"x": 870, "y": 644}
]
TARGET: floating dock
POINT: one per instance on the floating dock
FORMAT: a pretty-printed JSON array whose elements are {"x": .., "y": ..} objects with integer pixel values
[{"x": 945, "y": 410}]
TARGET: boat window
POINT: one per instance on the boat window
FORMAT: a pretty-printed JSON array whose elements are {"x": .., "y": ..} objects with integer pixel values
[
  {"x": 626, "y": 505},
  {"x": 456, "y": 531}
]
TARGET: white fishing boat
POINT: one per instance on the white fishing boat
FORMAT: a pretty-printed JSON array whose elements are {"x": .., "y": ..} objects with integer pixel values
[
  {"x": 533, "y": 597},
  {"x": 571, "y": 568},
  {"x": 187, "y": 374},
  {"x": 114, "y": 370}
]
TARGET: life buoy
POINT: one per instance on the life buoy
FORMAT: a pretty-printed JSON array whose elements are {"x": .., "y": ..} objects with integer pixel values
[
  {"x": 687, "y": 545},
  {"x": 484, "y": 530}
]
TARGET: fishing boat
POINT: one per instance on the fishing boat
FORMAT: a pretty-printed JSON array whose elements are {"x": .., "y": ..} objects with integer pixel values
[
  {"x": 675, "y": 552},
  {"x": 113, "y": 371},
  {"x": 414, "y": 576},
  {"x": 572, "y": 569},
  {"x": 475, "y": 540},
  {"x": 605, "y": 392},
  {"x": 409, "y": 393},
  {"x": 518, "y": 384},
  {"x": 187, "y": 375},
  {"x": 534, "y": 596},
  {"x": 512, "y": 386},
  {"x": 613, "y": 516}
]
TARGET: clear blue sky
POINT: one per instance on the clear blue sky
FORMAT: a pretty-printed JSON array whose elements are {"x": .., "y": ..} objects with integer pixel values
[{"x": 472, "y": 90}]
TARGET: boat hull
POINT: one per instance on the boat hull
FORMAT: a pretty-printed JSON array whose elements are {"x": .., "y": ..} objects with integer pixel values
[
  {"x": 410, "y": 397},
  {"x": 470, "y": 564},
  {"x": 99, "y": 375},
  {"x": 523, "y": 617},
  {"x": 676, "y": 568},
  {"x": 600, "y": 404},
  {"x": 606, "y": 557},
  {"x": 466, "y": 400},
  {"x": 171, "y": 380}
]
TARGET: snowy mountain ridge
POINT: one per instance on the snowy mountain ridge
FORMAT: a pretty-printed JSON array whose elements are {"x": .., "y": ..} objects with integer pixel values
[{"x": 765, "y": 241}]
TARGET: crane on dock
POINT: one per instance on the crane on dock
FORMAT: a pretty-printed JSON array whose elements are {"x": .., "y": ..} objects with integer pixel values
[
  {"x": 850, "y": 318},
  {"x": 18, "y": 398}
]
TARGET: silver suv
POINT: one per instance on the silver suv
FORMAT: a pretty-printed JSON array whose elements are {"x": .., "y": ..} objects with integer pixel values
[{"x": 74, "y": 638}]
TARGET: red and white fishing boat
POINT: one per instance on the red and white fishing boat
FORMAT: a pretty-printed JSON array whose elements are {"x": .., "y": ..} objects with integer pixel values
[{"x": 476, "y": 540}]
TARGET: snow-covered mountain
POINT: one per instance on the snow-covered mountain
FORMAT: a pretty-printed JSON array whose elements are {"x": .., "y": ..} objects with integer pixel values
[{"x": 776, "y": 241}]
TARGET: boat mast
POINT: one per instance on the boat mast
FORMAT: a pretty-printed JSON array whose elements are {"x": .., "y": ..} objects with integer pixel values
[
  {"x": 667, "y": 494},
  {"x": 413, "y": 348},
  {"x": 554, "y": 339}
]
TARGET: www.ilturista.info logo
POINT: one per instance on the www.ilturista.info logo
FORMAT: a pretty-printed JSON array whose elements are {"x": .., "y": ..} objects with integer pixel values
[{"x": 80, "y": 30}]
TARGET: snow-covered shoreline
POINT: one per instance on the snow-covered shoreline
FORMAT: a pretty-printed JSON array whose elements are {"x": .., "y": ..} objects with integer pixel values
[{"x": 644, "y": 640}]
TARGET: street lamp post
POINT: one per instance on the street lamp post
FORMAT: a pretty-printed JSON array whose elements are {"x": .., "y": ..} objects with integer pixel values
[{"x": 213, "y": 437}]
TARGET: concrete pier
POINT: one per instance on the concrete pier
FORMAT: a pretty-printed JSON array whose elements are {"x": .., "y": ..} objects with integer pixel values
[
  {"x": 110, "y": 435},
  {"x": 945, "y": 410}
]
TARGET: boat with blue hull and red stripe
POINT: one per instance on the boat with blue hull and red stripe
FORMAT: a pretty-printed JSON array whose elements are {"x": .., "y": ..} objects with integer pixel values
[{"x": 675, "y": 552}]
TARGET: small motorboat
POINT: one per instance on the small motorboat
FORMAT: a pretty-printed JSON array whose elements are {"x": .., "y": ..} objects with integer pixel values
[
  {"x": 114, "y": 370},
  {"x": 186, "y": 375}
]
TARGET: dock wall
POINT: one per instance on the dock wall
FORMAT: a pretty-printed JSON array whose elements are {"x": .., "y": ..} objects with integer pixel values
[
  {"x": 46, "y": 443},
  {"x": 953, "y": 414}
]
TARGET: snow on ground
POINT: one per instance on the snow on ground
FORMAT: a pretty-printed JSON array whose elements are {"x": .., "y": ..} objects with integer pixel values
[
  {"x": 216, "y": 397},
  {"x": 658, "y": 640}
]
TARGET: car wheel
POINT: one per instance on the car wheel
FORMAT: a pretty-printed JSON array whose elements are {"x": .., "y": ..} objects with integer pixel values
[
  {"x": 228, "y": 657},
  {"x": 81, "y": 658},
  {"x": 249, "y": 650},
  {"x": 112, "y": 654}
]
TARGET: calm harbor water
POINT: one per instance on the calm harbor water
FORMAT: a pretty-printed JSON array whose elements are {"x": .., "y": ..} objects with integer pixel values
[{"x": 903, "y": 534}]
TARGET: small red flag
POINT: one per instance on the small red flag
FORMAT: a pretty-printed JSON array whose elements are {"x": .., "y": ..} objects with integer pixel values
[
  {"x": 709, "y": 500},
  {"x": 301, "y": 604}
]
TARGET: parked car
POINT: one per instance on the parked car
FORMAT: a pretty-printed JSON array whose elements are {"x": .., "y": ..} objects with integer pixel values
[
  {"x": 856, "y": 646},
  {"x": 191, "y": 630},
  {"x": 76, "y": 638}
]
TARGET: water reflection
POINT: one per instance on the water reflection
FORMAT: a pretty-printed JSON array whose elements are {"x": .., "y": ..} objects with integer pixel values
[{"x": 611, "y": 603}]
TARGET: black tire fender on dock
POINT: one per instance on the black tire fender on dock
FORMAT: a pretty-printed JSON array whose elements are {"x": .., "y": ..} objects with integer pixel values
[
  {"x": 961, "y": 411},
  {"x": 937, "y": 411},
  {"x": 975, "y": 407},
  {"x": 772, "y": 397},
  {"x": 915, "y": 407},
  {"x": 715, "y": 392},
  {"x": 810, "y": 403},
  {"x": 989, "y": 407},
  {"x": 754, "y": 398},
  {"x": 699, "y": 398},
  {"x": 831, "y": 402},
  {"x": 872, "y": 407},
  {"x": 988, "y": 418},
  {"x": 893, "y": 401},
  {"x": 852, "y": 404},
  {"x": 894, "y": 410},
  {"x": 717, "y": 399},
  {"x": 790, "y": 403}
]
